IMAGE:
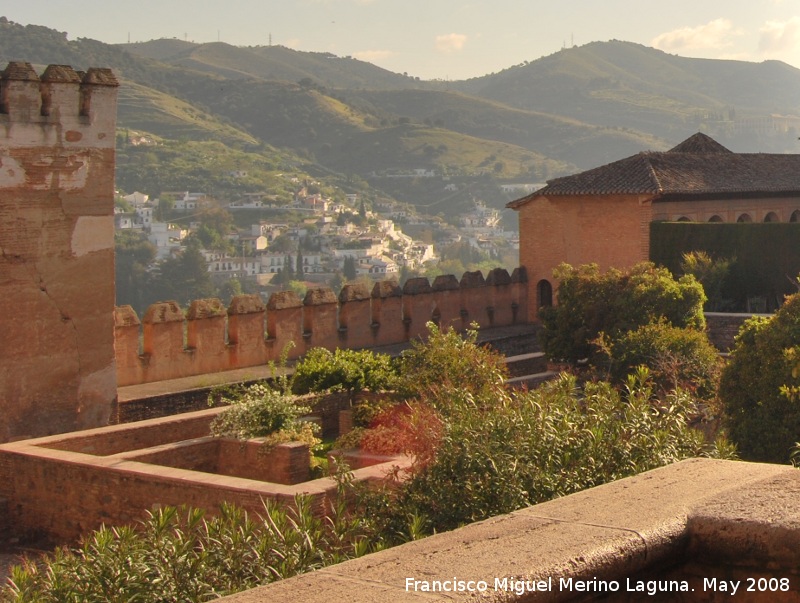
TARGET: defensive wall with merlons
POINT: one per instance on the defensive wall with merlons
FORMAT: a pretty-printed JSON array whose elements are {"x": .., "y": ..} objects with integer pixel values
[
  {"x": 57, "y": 136},
  {"x": 211, "y": 338}
]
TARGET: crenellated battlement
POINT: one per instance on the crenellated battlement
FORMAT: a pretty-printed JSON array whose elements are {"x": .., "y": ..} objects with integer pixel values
[
  {"x": 211, "y": 338},
  {"x": 57, "y": 135},
  {"x": 73, "y": 107}
]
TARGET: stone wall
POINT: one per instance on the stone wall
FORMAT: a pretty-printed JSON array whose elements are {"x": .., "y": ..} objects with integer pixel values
[
  {"x": 212, "y": 338},
  {"x": 57, "y": 136},
  {"x": 722, "y": 328}
]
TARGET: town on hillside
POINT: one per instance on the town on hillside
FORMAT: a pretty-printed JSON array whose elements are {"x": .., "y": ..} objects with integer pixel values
[{"x": 263, "y": 245}]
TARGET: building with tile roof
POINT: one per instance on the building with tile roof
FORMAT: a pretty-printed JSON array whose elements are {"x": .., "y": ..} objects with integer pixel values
[{"x": 603, "y": 215}]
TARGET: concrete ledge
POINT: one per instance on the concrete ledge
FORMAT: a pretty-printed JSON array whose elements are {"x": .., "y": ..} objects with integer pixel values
[{"x": 726, "y": 512}]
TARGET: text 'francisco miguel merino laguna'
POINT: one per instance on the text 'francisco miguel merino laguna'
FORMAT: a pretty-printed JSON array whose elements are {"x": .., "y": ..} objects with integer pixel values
[{"x": 518, "y": 586}]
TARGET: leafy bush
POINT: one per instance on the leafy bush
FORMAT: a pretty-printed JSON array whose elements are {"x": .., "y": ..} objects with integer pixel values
[
  {"x": 322, "y": 370},
  {"x": 499, "y": 454},
  {"x": 613, "y": 302},
  {"x": 261, "y": 412},
  {"x": 447, "y": 360},
  {"x": 711, "y": 274},
  {"x": 182, "y": 555},
  {"x": 677, "y": 358},
  {"x": 762, "y": 421}
]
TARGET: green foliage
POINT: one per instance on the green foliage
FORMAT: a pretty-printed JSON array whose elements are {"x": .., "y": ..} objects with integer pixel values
[
  {"x": 613, "y": 302},
  {"x": 349, "y": 268},
  {"x": 447, "y": 360},
  {"x": 677, "y": 358},
  {"x": 343, "y": 369},
  {"x": 765, "y": 253},
  {"x": 262, "y": 412},
  {"x": 498, "y": 454},
  {"x": 711, "y": 273},
  {"x": 185, "y": 277},
  {"x": 133, "y": 255},
  {"x": 183, "y": 555},
  {"x": 762, "y": 420}
]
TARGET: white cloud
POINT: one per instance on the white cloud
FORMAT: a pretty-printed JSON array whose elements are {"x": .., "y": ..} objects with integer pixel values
[
  {"x": 714, "y": 34},
  {"x": 779, "y": 36},
  {"x": 450, "y": 43},
  {"x": 372, "y": 56}
]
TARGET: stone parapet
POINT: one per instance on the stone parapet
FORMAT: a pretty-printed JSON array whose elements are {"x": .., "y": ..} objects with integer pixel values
[{"x": 694, "y": 521}]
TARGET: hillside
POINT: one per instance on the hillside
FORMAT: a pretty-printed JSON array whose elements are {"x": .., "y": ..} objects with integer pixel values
[
  {"x": 272, "y": 63},
  {"x": 339, "y": 116},
  {"x": 626, "y": 85}
]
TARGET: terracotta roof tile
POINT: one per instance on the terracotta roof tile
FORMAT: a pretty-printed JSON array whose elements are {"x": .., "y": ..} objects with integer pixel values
[{"x": 699, "y": 166}]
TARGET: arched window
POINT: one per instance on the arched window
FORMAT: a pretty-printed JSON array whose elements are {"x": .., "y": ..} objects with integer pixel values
[
  {"x": 771, "y": 217},
  {"x": 795, "y": 217},
  {"x": 544, "y": 294},
  {"x": 683, "y": 219},
  {"x": 744, "y": 218},
  {"x": 715, "y": 218}
]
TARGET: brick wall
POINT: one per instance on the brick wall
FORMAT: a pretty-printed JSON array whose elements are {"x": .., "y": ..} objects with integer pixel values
[
  {"x": 609, "y": 231},
  {"x": 57, "y": 136},
  {"x": 60, "y": 487},
  {"x": 257, "y": 333}
]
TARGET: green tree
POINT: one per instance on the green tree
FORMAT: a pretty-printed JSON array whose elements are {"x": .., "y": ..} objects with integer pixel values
[
  {"x": 711, "y": 273},
  {"x": 230, "y": 288},
  {"x": 591, "y": 302},
  {"x": 762, "y": 420},
  {"x": 349, "y": 268},
  {"x": 677, "y": 358},
  {"x": 134, "y": 255},
  {"x": 185, "y": 278}
]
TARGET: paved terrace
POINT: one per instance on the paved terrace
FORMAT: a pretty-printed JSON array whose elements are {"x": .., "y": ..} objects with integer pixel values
[{"x": 704, "y": 525}]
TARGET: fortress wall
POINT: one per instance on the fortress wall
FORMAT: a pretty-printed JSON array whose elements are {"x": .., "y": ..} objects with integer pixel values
[
  {"x": 174, "y": 345},
  {"x": 57, "y": 361}
]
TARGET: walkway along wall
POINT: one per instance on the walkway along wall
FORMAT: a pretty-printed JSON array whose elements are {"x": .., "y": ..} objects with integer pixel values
[
  {"x": 211, "y": 338},
  {"x": 57, "y": 135}
]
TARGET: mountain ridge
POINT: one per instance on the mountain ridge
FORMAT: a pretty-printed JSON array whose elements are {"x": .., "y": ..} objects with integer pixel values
[{"x": 571, "y": 110}]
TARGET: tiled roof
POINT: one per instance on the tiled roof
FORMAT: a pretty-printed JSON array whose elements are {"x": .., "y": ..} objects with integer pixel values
[{"x": 699, "y": 166}]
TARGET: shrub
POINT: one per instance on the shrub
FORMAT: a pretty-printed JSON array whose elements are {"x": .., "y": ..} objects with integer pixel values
[
  {"x": 762, "y": 421},
  {"x": 182, "y": 555},
  {"x": 677, "y": 358},
  {"x": 496, "y": 455},
  {"x": 258, "y": 411},
  {"x": 711, "y": 274},
  {"x": 447, "y": 360},
  {"x": 322, "y": 370},
  {"x": 613, "y": 302}
]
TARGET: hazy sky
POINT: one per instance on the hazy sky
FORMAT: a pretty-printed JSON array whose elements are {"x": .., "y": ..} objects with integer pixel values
[{"x": 445, "y": 39}]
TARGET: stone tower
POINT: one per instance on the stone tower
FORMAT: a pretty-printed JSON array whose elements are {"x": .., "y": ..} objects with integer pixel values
[{"x": 57, "y": 368}]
